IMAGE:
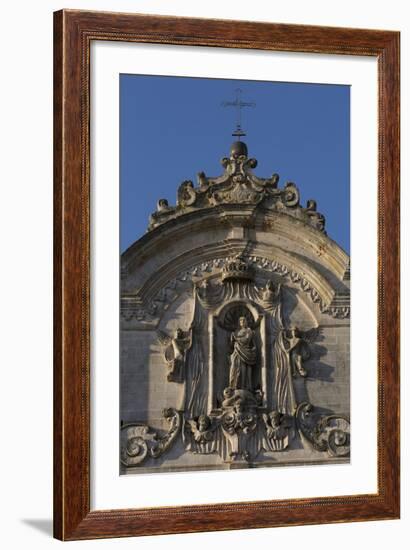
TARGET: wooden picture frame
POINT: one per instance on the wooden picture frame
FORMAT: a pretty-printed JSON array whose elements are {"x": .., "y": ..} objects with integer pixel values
[{"x": 74, "y": 32}]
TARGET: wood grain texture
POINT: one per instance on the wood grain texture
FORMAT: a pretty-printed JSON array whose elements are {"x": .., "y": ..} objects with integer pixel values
[
  {"x": 57, "y": 302},
  {"x": 73, "y": 32}
]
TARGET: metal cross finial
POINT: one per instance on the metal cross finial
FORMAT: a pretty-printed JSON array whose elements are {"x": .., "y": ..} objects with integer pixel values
[{"x": 239, "y": 104}]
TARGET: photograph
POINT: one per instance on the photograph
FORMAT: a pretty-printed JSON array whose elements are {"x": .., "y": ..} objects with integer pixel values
[
  {"x": 205, "y": 226},
  {"x": 235, "y": 274},
  {"x": 226, "y": 274}
]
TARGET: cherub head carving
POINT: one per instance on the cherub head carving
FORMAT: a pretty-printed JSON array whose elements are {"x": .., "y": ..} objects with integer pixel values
[{"x": 203, "y": 423}]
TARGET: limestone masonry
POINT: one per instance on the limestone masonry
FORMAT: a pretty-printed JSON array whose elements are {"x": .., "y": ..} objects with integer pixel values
[{"x": 235, "y": 330}]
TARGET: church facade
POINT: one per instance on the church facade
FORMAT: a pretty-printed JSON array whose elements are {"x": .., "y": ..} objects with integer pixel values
[{"x": 235, "y": 330}]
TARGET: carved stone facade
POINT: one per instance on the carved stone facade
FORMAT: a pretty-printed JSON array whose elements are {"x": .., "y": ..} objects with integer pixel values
[{"x": 235, "y": 329}]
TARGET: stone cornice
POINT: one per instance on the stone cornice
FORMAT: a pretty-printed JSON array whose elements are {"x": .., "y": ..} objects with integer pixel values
[
  {"x": 148, "y": 311},
  {"x": 219, "y": 222}
]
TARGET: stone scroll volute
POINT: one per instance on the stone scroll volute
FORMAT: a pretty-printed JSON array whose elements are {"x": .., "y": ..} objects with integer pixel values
[{"x": 238, "y": 336}]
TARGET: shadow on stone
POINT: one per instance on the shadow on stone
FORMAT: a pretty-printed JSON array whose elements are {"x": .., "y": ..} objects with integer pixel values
[{"x": 317, "y": 370}]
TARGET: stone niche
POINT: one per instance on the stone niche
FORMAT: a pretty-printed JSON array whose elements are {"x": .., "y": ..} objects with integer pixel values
[{"x": 235, "y": 330}]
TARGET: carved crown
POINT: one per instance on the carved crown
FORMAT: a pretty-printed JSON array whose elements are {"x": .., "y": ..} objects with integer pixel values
[{"x": 237, "y": 268}]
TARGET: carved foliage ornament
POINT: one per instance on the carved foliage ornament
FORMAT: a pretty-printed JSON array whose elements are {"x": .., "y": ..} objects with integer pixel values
[
  {"x": 238, "y": 185},
  {"x": 326, "y": 433},
  {"x": 240, "y": 399},
  {"x": 139, "y": 441},
  {"x": 132, "y": 308}
]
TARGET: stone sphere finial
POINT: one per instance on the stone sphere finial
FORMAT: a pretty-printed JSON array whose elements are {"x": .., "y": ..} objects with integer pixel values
[{"x": 238, "y": 149}]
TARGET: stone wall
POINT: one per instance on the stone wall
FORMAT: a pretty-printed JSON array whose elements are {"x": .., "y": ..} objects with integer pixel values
[{"x": 239, "y": 265}]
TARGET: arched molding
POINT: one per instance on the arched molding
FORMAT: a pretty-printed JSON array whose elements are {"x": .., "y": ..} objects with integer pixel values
[
  {"x": 164, "y": 287},
  {"x": 231, "y": 224}
]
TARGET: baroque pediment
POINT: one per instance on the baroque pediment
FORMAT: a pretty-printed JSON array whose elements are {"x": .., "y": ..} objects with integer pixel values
[
  {"x": 235, "y": 310},
  {"x": 133, "y": 307},
  {"x": 238, "y": 185}
]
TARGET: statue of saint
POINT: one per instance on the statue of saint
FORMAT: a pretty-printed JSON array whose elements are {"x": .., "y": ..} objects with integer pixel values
[{"x": 243, "y": 357}]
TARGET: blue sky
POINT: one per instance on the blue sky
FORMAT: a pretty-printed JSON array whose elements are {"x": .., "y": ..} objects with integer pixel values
[{"x": 173, "y": 127}]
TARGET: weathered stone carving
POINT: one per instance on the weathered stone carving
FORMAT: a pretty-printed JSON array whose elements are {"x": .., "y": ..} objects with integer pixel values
[
  {"x": 201, "y": 435},
  {"x": 338, "y": 312},
  {"x": 132, "y": 308},
  {"x": 240, "y": 428},
  {"x": 175, "y": 353},
  {"x": 326, "y": 433},
  {"x": 291, "y": 350},
  {"x": 316, "y": 219},
  {"x": 279, "y": 431},
  {"x": 241, "y": 364},
  {"x": 296, "y": 343},
  {"x": 238, "y": 185},
  {"x": 226, "y": 389},
  {"x": 236, "y": 268},
  {"x": 139, "y": 442},
  {"x": 270, "y": 293},
  {"x": 243, "y": 357},
  {"x": 238, "y": 398}
]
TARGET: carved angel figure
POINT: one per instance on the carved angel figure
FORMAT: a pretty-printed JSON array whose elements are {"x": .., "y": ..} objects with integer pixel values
[
  {"x": 201, "y": 429},
  {"x": 276, "y": 425},
  {"x": 271, "y": 292},
  {"x": 175, "y": 352},
  {"x": 278, "y": 431},
  {"x": 298, "y": 350},
  {"x": 291, "y": 350}
]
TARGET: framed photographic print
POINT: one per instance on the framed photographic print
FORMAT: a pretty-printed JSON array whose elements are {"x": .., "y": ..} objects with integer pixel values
[
  {"x": 226, "y": 275},
  {"x": 225, "y": 346}
]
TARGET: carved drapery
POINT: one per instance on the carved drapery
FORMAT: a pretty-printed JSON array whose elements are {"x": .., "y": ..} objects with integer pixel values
[
  {"x": 133, "y": 307},
  {"x": 238, "y": 420},
  {"x": 238, "y": 364}
]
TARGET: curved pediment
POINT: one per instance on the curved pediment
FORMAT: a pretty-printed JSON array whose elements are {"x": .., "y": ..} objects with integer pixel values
[
  {"x": 238, "y": 185},
  {"x": 234, "y": 320},
  {"x": 273, "y": 241}
]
